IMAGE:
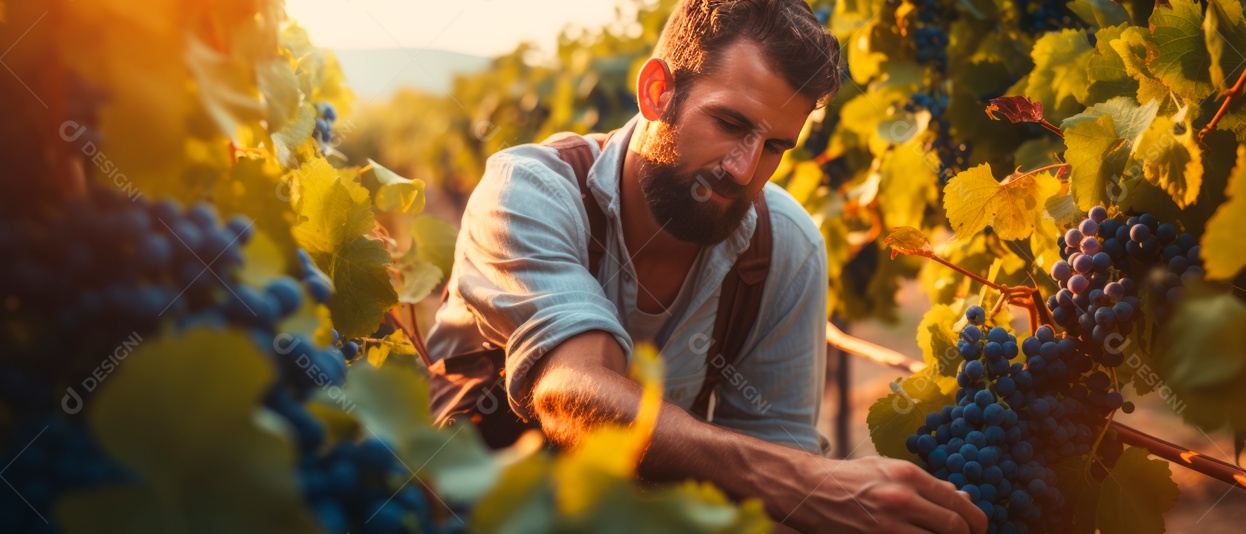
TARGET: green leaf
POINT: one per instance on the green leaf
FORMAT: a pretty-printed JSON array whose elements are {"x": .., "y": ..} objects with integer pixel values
[
  {"x": 292, "y": 135},
  {"x": 1222, "y": 253},
  {"x": 392, "y": 402},
  {"x": 280, "y": 89},
  {"x": 1204, "y": 343},
  {"x": 334, "y": 220},
  {"x": 937, "y": 337},
  {"x": 1180, "y": 58},
  {"x": 181, "y": 413},
  {"x": 1171, "y": 158},
  {"x": 908, "y": 241},
  {"x": 1129, "y": 120},
  {"x": 974, "y": 200},
  {"x": 1135, "y": 495},
  {"x": 434, "y": 241},
  {"x": 1108, "y": 76},
  {"x": 1059, "y": 78},
  {"x": 1101, "y": 13},
  {"x": 522, "y": 502},
  {"x": 893, "y": 418},
  {"x": 395, "y": 344},
  {"x": 1081, "y": 493},
  {"x": 1097, "y": 157},
  {"x": 419, "y": 278},
  {"x": 1134, "y": 47},
  {"x": 393, "y": 193},
  {"x": 1225, "y": 30}
]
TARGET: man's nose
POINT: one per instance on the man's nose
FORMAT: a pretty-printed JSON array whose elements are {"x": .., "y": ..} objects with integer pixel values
[{"x": 741, "y": 162}]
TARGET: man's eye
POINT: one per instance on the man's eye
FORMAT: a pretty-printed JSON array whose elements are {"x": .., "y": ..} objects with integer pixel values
[{"x": 728, "y": 126}]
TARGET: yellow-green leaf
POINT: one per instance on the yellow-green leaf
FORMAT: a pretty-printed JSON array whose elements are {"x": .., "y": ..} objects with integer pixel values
[
  {"x": 180, "y": 413},
  {"x": 1059, "y": 77},
  {"x": 1222, "y": 252},
  {"x": 937, "y": 338},
  {"x": 1180, "y": 59},
  {"x": 392, "y": 192},
  {"x": 335, "y": 217},
  {"x": 1204, "y": 343},
  {"x": 974, "y": 200},
  {"x": 1172, "y": 159},
  {"x": 1129, "y": 120},
  {"x": 1106, "y": 69},
  {"x": 1097, "y": 158},
  {"x": 896, "y": 416},
  {"x": 392, "y": 402},
  {"x": 433, "y": 242},
  {"x": 1135, "y": 495},
  {"x": 909, "y": 241}
]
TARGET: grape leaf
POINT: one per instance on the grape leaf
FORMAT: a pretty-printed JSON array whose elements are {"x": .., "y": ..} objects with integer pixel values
[
  {"x": 1101, "y": 13},
  {"x": 1172, "y": 159},
  {"x": 1059, "y": 78},
  {"x": 395, "y": 344},
  {"x": 1204, "y": 343},
  {"x": 393, "y": 193},
  {"x": 974, "y": 200},
  {"x": 1225, "y": 30},
  {"x": 521, "y": 502},
  {"x": 334, "y": 218},
  {"x": 392, "y": 402},
  {"x": 1096, "y": 154},
  {"x": 1133, "y": 47},
  {"x": 937, "y": 338},
  {"x": 1015, "y": 109},
  {"x": 1135, "y": 494},
  {"x": 1180, "y": 59},
  {"x": 1081, "y": 492},
  {"x": 225, "y": 85},
  {"x": 1129, "y": 120},
  {"x": 909, "y": 241},
  {"x": 1106, "y": 69},
  {"x": 893, "y": 418},
  {"x": 1221, "y": 249},
  {"x": 294, "y": 134},
  {"x": 280, "y": 89},
  {"x": 419, "y": 278},
  {"x": 181, "y": 414},
  {"x": 433, "y": 241}
]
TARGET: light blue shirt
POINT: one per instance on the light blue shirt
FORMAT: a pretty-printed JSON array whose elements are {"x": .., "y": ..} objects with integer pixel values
[{"x": 521, "y": 281}]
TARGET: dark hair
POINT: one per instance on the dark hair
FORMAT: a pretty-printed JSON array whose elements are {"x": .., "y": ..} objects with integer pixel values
[{"x": 798, "y": 47}]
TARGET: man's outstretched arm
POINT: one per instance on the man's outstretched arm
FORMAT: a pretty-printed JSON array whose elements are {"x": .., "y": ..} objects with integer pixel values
[{"x": 581, "y": 384}]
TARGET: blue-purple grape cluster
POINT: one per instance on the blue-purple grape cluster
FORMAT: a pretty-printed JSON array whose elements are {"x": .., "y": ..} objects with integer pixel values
[
  {"x": 1039, "y": 16},
  {"x": 1103, "y": 260},
  {"x": 109, "y": 270},
  {"x": 324, "y": 125},
  {"x": 1012, "y": 422}
]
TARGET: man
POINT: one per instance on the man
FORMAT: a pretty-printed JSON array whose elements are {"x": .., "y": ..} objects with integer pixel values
[{"x": 727, "y": 92}]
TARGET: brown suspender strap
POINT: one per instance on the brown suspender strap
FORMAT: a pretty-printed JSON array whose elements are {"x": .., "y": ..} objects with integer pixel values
[
  {"x": 738, "y": 306},
  {"x": 574, "y": 150}
]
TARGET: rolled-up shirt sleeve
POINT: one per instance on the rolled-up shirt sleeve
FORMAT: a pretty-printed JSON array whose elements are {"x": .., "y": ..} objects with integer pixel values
[
  {"x": 775, "y": 390},
  {"x": 521, "y": 267}
]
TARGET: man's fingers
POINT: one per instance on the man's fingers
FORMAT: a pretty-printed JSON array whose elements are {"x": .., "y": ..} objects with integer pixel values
[
  {"x": 945, "y": 495},
  {"x": 938, "y": 518}
]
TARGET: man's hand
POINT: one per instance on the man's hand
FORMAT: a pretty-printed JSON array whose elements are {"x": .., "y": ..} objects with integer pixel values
[
  {"x": 581, "y": 384},
  {"x": 870, "y": 495}
]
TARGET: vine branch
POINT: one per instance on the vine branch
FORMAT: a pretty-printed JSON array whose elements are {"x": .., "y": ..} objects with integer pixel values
[{"x": 1233, "y": 92}]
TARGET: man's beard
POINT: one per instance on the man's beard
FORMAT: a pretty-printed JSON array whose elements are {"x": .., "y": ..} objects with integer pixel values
[{"x": 682, "y": 202}]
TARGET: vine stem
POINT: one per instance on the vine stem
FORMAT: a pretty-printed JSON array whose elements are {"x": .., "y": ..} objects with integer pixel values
[
  {"x": 1217, "y": 469},
  {"x": 1234, "y": 92},
  {"x": 1051, "y": 128}
]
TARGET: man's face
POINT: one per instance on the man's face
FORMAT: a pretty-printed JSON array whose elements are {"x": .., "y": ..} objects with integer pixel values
[{"x": 706, "y": 161}]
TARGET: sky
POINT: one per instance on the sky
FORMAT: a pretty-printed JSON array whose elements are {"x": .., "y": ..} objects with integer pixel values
[{"x": 478, "y": 27}]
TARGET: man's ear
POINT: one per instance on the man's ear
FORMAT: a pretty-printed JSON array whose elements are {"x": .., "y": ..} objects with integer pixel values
[{"x": 654, "y": 88}]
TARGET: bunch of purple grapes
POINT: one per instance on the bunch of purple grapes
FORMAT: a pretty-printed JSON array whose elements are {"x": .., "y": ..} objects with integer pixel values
[
  {"x": 1013, "y": 421},
  {"x": 1103, "y": 258}
]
